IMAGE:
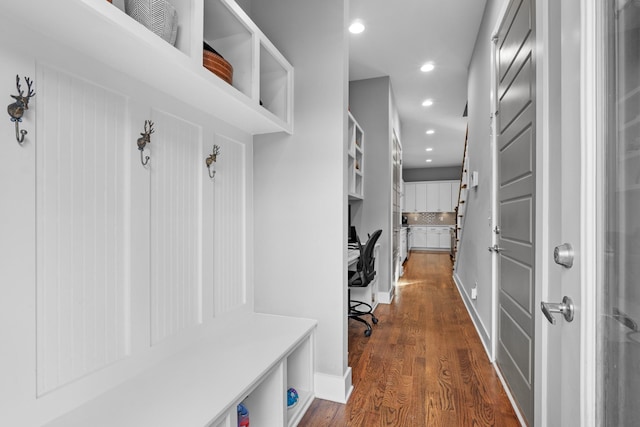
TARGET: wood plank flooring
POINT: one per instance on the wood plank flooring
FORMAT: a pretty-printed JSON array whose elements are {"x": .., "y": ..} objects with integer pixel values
[{"x": 424, "y": 364}]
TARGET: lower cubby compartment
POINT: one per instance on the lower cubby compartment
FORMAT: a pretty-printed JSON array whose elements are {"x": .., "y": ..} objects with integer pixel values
[
  {"x": 266, "y": 402},
  {"x": 300, "y": 378}
]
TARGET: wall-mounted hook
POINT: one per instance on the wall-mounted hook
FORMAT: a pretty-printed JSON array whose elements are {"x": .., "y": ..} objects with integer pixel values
[
  {"x": 145, "y": 139},
  {"x": 16, "y": 110},
  {"x": 211, "y": 160}
]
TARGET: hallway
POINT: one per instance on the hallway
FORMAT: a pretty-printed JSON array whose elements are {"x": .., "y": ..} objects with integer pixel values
[{"x": 424, "y": 364}]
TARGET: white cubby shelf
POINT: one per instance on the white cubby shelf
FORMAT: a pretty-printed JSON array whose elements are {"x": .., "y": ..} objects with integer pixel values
[
  {"x": 261, "y": 97},
  {"x": 355, "y": 159}
]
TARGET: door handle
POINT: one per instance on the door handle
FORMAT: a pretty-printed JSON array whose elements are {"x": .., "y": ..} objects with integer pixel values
[
  {"x": 495, "y": 249},
  {"x": 565, "y": 308}
]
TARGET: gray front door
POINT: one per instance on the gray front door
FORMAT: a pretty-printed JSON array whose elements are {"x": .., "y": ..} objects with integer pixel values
[{"x": 516, "y": 124}]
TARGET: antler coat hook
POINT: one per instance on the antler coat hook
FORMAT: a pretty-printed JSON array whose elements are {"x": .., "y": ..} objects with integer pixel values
[
  {"x": 213, "y": 157},
  {"x": 16, "y": 110},
  {"x": 145, "y": 139}
]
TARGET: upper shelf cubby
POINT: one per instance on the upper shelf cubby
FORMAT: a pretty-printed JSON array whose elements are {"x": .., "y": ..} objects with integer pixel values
[
  {"x": 260, "y": 97},
  {"x": 275, "y": 82},
  {"x": 230, "y": 36}
]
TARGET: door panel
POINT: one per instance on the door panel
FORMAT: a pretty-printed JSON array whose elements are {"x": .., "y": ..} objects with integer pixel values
[
  {"x": 519, "y": 350},
  {"x": 517, "y": 95},
  {"x": 512, "y": 273},
  {"x": 517, "y": 158},
  {"x": 513, "y": 36},
  {"x": 516, "y": 202}
]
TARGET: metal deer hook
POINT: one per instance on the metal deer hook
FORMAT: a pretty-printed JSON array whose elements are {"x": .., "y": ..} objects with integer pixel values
[
  {"x": 211, "y": 160},
  {"x": 16, "y": 110},
  {"x": 145, "y": 139}
]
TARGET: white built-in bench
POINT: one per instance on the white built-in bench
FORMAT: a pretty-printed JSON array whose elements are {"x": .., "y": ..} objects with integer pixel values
[{"x": 254, "y": 363}]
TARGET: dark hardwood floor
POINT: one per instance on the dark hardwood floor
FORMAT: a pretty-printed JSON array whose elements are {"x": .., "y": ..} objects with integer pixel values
[{"x": 424, "y": 364}]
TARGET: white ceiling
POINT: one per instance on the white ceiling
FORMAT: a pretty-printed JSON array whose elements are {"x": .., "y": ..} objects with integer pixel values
[{"x": 400, "y": 36}]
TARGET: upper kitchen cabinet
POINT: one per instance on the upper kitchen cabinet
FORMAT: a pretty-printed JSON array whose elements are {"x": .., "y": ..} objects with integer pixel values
[
  {"x": 259, "y": 99},
  {"x": 409, "y": 194},
  {"x": 431, "y": 196}
]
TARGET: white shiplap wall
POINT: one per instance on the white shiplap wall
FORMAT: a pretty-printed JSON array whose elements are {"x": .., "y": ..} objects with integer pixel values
[
  {"x": 82, "y": 286},
  {"x": 176, "y": 226},
  {"x": 230, "y": 290}
]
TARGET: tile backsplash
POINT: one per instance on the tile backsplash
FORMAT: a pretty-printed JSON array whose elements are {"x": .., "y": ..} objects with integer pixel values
[{"x": 431, "y": 218}]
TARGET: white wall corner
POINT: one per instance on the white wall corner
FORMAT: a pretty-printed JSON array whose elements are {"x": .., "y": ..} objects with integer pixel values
[
  {"x": 385, "y": 297},
  {"x": 485, "y": 337},
  {"x": 333, "y": 387}
]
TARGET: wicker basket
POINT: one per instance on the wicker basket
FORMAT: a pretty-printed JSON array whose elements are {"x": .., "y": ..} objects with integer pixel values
[{"x": 218, "y": 66}]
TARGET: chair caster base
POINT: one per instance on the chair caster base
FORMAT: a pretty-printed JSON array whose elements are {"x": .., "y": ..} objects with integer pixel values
[
  {"x": 374, "y": 320},
  {"x": 367, "y": 333}
]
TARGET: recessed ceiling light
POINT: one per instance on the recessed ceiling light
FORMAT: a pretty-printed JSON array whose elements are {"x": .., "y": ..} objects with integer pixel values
[
  {"x": 431, "y": 132},
  {"x": 427, "y": 67},
  {"x": 356, "y": 27},
  {"x": 427, "y": 103},
  {"x": 429, "y": 149},
  {"x": 429, "y": 160}
]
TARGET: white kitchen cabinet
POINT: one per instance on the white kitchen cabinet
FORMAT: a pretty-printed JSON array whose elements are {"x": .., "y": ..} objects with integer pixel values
[
  {"x": 444, "y": 197},
  {"x": 432, "y": 196},
  {"x": 433, "y": 237},
  {"x": 439, "y": 197},
  {"x": 418, "y": 237},
  {"x": 421, "y": 197},
  {"x": 455, "y": 189},
  {"x": 409, "y": 197},
  {"x": 430, "y": 237},
  {"x": 445, "y": 238}
]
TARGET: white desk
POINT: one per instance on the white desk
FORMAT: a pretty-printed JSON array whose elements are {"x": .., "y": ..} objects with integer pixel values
[{"x": 352, "y": 256}]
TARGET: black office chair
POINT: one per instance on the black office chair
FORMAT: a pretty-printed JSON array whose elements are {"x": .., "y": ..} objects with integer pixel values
[{"x": 360, "y": 278}]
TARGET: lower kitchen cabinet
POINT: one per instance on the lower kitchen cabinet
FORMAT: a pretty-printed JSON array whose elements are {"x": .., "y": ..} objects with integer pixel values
[
  {"x": 430, "y": 237},
  {"x": 445, "y": 239},
  {"x": 433, "y": 237},
  {"x": 418, "y": 237}
]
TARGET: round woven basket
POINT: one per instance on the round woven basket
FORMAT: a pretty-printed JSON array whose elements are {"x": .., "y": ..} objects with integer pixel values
[{"x": 218, "y": 66}]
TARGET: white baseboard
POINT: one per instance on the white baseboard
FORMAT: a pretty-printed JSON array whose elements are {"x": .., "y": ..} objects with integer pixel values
[
  {"x": 475, "y": 318},
  {"x": 386, "y": 297},
  {"x": 332, "y": 387},
  {"x": 507, "y": 390}
]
